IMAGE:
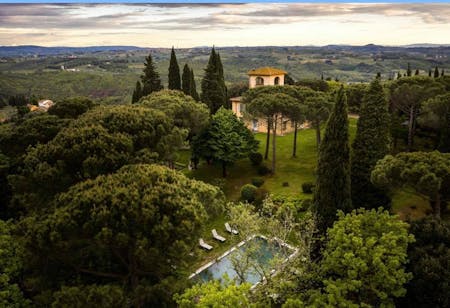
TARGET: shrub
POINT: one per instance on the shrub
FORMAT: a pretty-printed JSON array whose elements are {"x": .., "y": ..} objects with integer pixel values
[
  {"x": 260, "y": 195},
  {"x": 263, "y": 170},
  {"x": 258, "y": 182},
  {"x": 305, "y": 205},
  {"x": 248, "y": 192},
  {"x": 255, "y": 158},
  {"x": 219, "y": 183},
  {"x": 308, "y": 187}
]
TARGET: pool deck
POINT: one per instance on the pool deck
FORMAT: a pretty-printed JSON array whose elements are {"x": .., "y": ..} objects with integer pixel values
[{"x": 226, "y": 253}]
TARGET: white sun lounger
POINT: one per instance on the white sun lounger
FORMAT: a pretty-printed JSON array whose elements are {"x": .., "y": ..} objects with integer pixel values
[
  {"x": 217, "y": 236},
  {"x": 228, "y": 228},
  {"x": 204, "y": 245}
]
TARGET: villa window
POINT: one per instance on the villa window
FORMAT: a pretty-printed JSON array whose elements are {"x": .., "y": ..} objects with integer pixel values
[
  {"x": 241, "y": 108},
  {"x": 277, "y": 80},
  {"x": 259, "y": 81},
  {"x": 255, "y": 125}
]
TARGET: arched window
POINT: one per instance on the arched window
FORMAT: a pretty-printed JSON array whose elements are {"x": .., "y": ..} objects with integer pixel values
[
  {"x": 259, "y": 81},
  {"x": 277, "y": 80}
]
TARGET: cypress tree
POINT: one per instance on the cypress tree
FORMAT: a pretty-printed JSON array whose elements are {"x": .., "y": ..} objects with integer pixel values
[
  {"x": 213, "y": 85},
  {"x": 193, "y": 89},
  {"x": 137, "y": 93},
  {"x": 371, "y": 144},
  {"x": 436, "y": 72},
  {"x": 332, "y": 191},
  {"x": 399, "y": 75},
  {"x": 174, "y": 72},
  {"x": 150, "y": 79},
  {"x": 221, "y": 79},
  {"x": 186, "y": 80},
  {"x": 417, "y": 72},
  {"x": 429, "y": 72},
  {"x": 408, "y": 71}
]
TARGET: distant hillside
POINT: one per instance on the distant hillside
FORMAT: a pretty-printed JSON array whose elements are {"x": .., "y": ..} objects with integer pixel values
[
  {"x": 30, "y": 50},
  {"x": 109, "y": 73}
]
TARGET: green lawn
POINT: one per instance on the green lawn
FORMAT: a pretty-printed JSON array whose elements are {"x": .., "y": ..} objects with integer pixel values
[{"x": 294, "y": 171}]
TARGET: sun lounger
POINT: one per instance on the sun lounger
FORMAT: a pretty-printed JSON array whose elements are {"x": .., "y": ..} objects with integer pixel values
[
  {"x": 204, "y": 245},
  {"x": 228, "y": 228},
  {"x": 217, "y": 236}
]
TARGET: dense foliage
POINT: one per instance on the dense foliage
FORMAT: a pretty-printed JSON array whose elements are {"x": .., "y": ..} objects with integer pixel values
[
  {"x": 332, "y": 192},
  {"x": 128, "y": 229},
  {"x": 371, "y": 144},
  {"x": 363, "y": 262},
  {"x": 427, "y": 173},
  {"x": 214, "y": 91},
  {"x": 225, "y": 140},
  {"x": 174, "y": 72}
]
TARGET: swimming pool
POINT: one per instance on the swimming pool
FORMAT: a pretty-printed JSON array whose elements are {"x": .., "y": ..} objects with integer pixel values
[{"x": 262, "y": 251}]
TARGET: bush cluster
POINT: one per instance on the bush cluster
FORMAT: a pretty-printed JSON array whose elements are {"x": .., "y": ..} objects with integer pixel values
[
  {"x": 263, "y": 170},
  {"x": 248, "y": 192},
  {"x": 255, "y": 158},
  {"x": 308, "y": 187},
  {"x": 258, "y": 181}
]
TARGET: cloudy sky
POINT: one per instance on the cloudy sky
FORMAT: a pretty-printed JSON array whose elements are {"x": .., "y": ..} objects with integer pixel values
[{"x": 188, "y": 25}]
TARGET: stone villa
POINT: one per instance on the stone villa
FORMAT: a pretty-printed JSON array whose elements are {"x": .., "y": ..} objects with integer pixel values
[{"x": 264, "y": 76}]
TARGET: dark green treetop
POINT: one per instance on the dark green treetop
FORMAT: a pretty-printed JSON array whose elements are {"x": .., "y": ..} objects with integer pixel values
[
  {"x": 332, "y": 191},
  {"x": 370, "y": 145},
  {"x": 174, "y": 72},
  {"x": 428, "y": 173},
  {"x": 225, "y": 140},
  {"x": 213, "y": 84},
  {"x": 151, "y": 81}
]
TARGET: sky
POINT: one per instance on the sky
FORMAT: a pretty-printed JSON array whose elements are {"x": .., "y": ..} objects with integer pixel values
[{"x": 252, "y": 24}]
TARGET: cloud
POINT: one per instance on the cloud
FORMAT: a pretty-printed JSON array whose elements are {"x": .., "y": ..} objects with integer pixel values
[{"x": 179, "y": 19}]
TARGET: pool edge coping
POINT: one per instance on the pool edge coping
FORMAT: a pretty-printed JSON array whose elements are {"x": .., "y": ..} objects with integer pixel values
[{"x": 226, "y": 253}]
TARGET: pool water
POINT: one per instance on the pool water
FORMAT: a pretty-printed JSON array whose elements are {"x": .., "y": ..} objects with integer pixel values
[{"x": 261, "y": 250}]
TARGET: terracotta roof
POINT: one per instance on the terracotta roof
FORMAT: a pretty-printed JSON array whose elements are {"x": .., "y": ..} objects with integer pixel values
[{"x": 266, "y": 71}]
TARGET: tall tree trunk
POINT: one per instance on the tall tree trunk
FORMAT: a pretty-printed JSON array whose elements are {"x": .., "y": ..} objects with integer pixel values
[
  {"x": 294, "y": 151},
  {"x": 274, "y": 132},
  {"x": 266, "y": 154},
  {"x": 410, "y": 128},
  {"x": 318, "y": 135},
  {"x": 224, "y": 169}
]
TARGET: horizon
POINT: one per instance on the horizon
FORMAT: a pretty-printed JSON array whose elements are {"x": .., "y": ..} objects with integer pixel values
[
  {"x": 226, "y": 25},
  {"x": 432, "y": 45}
]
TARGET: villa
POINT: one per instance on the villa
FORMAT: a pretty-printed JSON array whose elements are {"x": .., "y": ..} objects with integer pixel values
[{"x": 264, "y": 76}]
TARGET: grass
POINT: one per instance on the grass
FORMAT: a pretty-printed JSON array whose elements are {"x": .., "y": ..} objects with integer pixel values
[
  {"x": 202, "y": 256},
  {"x": 293, "y": 170},
  {"x": 410, "y": 206}
]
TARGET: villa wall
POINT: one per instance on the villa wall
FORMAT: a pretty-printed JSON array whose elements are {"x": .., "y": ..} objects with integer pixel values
[{"x": 268, "y": 80}]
